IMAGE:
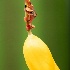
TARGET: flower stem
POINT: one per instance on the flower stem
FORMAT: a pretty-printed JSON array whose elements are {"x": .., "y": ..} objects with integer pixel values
[{"x": 29, "y": 32}]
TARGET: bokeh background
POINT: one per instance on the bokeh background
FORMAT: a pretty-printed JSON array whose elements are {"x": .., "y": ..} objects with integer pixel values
[{"x": 51, "y": 26}]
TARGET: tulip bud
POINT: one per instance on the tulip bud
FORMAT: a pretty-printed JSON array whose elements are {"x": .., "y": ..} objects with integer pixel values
[{"x": 37, "y": 54}]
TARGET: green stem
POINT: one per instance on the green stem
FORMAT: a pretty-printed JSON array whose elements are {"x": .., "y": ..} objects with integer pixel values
[{"x": 29, "y": 32}]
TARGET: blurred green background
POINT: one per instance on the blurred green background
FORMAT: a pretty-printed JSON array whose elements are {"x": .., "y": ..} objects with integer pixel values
[{"x": 51, "y": 26}]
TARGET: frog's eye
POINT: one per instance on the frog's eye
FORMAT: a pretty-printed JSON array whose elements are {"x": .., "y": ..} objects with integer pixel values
[{"x": 25, "y": 6}]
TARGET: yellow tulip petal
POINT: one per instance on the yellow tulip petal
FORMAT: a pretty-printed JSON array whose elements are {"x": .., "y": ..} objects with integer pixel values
[{"x": 37, "y": 54}]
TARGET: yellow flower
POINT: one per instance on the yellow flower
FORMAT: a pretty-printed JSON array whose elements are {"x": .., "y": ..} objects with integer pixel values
[{"x": 37, "y": 54}]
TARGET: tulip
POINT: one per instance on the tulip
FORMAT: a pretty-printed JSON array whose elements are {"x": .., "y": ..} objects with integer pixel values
[{"x": 37, "y": 54}]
